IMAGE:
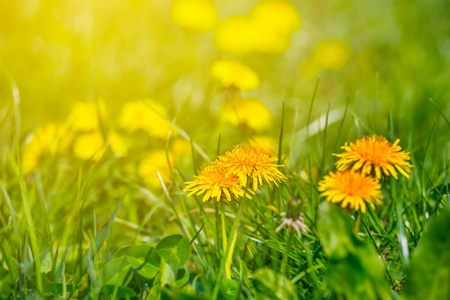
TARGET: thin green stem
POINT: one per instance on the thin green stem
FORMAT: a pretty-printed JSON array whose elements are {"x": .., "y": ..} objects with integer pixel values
[
  {"x": 224, "y": 232},
  {"x": 358, "y": 223},
  {"x": 230, "y": 248},
  {"x": 233, "y": 237}
]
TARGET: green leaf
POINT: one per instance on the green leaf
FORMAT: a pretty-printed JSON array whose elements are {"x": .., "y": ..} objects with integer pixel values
[
  {"x": 167, "y": 273},
  {"x": 14, "y": 269},
  {"x": 115, "y": 272},
  {"x": 271, "y": 285},
  {"x": 354, "y": 270},
  {"x": 182, "y": 277},
  {"x": 122, "y": 291},
  {"x": 46, "y": 264},
  {"x": 429, "y": 272},
  {"x": 229, "y": 289},
  {"x": 140, "y": 259},
  {"x": 175, "y": 250},
  {"x": 5, "y": 284}
]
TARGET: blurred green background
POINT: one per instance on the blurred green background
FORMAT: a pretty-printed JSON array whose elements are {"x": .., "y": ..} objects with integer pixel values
[
  {"x": 58, "y": 52},
  {"x": 387, "y": 57}
]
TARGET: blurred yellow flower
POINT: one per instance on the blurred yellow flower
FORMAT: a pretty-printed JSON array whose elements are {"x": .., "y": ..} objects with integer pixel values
[
  {"x": 236, "y": 36},
  {"x": 117, "y": 143},
  {"x": 374, "y": 154},
  {"x": 332, "y": 55},
  {"x": 156, "y": 162},
  {"x": 87, "y": 116},
  {"x": 352, "y": 189},
  {"x": 248, "y": 112},
  {"x": 280, "y": 15},
  {"x": 32, "y": 155},
  {"x": 275, "y": 21},
  {"x": 247, "y": 161},
  {"x": 231, "y": 73},
  {"x": 89, "y": 146},
  {"x": 214, "y": 182},
  {"x": 267, "y": 143},
  {"x": 140, "y": 116},
  {"x": 180, "y": 147},
  {"x": 267, "y": 29},
  {"x": 195, "y": 15},
  {"x": 49, "y": 139},
  {"x": 269, "y": 40}
]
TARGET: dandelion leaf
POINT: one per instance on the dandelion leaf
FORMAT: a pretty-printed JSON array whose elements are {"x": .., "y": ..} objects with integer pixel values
[
  {"x": 271, "y": 285},
  {"x": 354, "y": 270},
  {"x": 429, "y": 271}
]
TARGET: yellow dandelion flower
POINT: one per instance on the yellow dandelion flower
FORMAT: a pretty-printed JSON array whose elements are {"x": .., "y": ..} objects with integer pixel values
[
  {"x": 231, "y": 73},
  {"x": 32, "y": 155},
  {"x": 351, "y": 189},
  {"x": 374, "y": 154},
  {"x": 138, "y": 116},
  {"x": 89, "y": 146},
  {"x": 214, "y": 182},
  {"x": 269, "y": 40},
  {"x": 235, "y": 36},
  {"x": 195, "y": 15},
  {"x": 246, "y": 161},
  {"x": 154, "y": 163},
  {"x": 332, "y": 55},
  {"x": 86, "y": 116},
  {"x": 274, "y": 23},
  {"x": 280, "y": 15},
  {"x": 247, "y": 112},
  {"x": 50, "y": 139},
  {"x": 266, "y": 143},
  {"x": 117, "y": 143}
]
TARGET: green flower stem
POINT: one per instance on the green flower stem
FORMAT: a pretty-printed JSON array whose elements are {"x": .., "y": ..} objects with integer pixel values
[
  {"x": 224, "y": 231},
  {"x": 225, "y": 264},
  {"x": 358, "y": 223},
  {"x": 233, "y": 237}
]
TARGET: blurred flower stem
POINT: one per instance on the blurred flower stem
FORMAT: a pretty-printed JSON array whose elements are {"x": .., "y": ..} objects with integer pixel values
[
  {"x": 233, "y": 237},
  {"x": 358, "y": 222}
]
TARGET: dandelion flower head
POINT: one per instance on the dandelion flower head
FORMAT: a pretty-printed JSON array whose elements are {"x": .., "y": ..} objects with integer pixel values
[
  {"x": 231, "y": 73},
  {"x": 89, "y": 146},
  {"x": 251, "y": 162},
  {"x": 215, "y": 182},
  {"x": 247, "y": 112},
  {"x": 86, "y": 116},
  {"x": 236, "y": 36},
  {"x": 351, "y": 189},
  {"x": 195, "y": 15},
  {"x": 332, "y": 55},
  {"x": 49, "y": 139},
  {"x": 139, "y": 116},
  {"x": 374, "y": 154},
  {"x": 280, "y": 15},
  {"x": 117, "y": 143},
  {"x": 152, "y": 164},
  {"x": 267, "y": 143}
]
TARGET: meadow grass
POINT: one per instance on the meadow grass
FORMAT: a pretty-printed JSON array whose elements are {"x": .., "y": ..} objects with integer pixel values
[
  {"x": 102, "y": 211},
  {"x": 82, "y": 253}
]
